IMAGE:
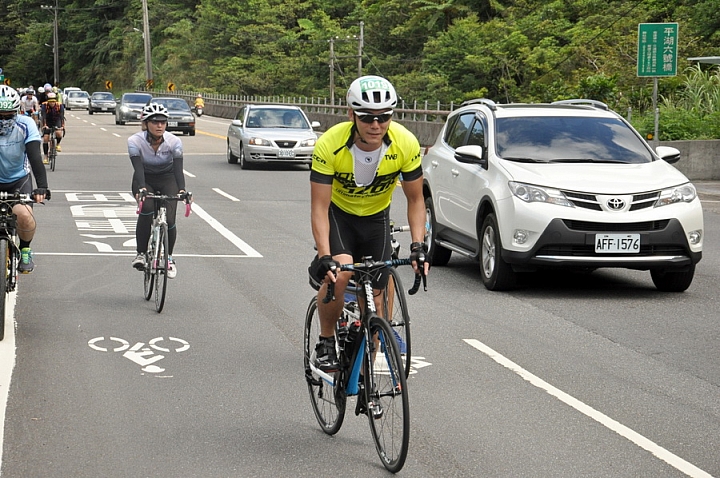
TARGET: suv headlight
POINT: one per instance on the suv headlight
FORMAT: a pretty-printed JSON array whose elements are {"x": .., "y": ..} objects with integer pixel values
[
  {"x": 531, "y": 193},
  {"x": 683, "y": 193}
]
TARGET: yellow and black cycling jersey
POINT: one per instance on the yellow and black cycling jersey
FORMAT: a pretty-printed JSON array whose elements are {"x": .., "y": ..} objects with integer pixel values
[{"x": 333, "y": 163}]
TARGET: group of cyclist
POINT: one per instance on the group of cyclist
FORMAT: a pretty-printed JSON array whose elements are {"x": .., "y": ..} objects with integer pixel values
[
  {"x": 48, "y": 112},
  {"x": 355, "y": 168}
]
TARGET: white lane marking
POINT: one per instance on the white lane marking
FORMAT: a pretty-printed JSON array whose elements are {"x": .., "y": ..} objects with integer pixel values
[
  {"x": 190, "y": 175},
  {"x": 223, "y": 193},
  {"x": 644, "y": 443},
  {"x": 7, "y": 362},
  {"x": 236, "y": 241}
]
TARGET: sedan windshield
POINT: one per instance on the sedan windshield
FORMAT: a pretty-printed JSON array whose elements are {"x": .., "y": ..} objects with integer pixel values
[
  {"x": 569, "y": 139},
  {"x": 276, "y": 118}
]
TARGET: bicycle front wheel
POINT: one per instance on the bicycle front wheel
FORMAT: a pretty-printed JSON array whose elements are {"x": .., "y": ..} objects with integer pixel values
[
  {"x": 386, "y": 395},
  {"x": 395, "y": 310},
  {"x": 161, "y": 265},
  {"x": 53, "y": 153},
  {"x": 327, "y": 399},
  {"x": 4, "y": 253}
]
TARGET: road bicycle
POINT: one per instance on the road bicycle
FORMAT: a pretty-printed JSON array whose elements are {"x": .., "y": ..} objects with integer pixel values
[
  {"x": 157, "y": 256},
  {"x": 9, "y": 247},
  {"x": 52, "y": 148},
  {"x": 371, "y": 367}
]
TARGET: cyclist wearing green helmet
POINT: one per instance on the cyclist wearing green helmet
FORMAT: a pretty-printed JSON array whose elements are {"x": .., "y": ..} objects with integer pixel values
[{"x": 19, "y": 154}]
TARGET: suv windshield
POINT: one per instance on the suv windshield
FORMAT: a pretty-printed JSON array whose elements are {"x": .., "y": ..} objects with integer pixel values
[
  {"x": 103, "y": 96},
  {"x": 569, "y": 139}
]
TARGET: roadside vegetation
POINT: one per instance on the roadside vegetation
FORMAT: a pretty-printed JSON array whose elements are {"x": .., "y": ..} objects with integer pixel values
[{"x": 442, "y": 51}]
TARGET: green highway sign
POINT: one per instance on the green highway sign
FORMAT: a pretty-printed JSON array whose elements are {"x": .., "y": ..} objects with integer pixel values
[{"x": 657, "y": 49}]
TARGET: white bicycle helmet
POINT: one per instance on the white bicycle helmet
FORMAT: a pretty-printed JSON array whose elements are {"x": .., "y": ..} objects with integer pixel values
[
  {"x": 9, "y": 99},
  {"x": 154, "y": 109},
  {"x": 372, "y": 93},
  {"x": 41, "y": 89}
]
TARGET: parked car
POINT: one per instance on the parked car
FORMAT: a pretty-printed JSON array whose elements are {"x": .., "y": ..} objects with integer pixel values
[
  {"x": 102, "y": 102},
  {"x": 130, "y": 107},
  {"x": 571, "y": 184},
  {"x": 265, "y": 134},
  {"x": 181, "y": 117},
  {"x": 77, "y": 100}
]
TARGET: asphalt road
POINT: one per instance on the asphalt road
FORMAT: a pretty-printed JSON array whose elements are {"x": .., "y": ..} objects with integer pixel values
[{"x": 592, "y": 375}]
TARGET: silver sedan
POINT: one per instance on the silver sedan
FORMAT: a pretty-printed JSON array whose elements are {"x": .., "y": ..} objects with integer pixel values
[{"x": 265, "y": 134}]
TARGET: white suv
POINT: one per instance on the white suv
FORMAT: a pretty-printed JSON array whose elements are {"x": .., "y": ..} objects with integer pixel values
[{"x": 570, "y": 184}]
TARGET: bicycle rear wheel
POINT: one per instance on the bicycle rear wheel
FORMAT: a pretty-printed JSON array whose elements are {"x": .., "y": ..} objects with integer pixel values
[
  {"x": 161, "y": 264},
  {"x": 395, "y": 310},
  {"x": 386, "y": 395},
  {"x": 328, "y": 401},
  {"x": 4, "y": 253}
]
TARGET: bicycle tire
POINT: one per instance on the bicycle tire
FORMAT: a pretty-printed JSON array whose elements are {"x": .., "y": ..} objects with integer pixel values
[
  {"x": 328, "y": 401},
  {"x": 53, "y": 151},
  {"x": 386, "y": 387},
  {"x": 161, "y": 266},
  {"x": 149, "y": 276},
  {"x": 396, "y": 311},
  {"x": 4, "y": 252}
]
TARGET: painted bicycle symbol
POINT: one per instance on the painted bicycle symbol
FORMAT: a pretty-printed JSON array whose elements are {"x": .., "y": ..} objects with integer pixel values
[{"x": 145, "y": 356}]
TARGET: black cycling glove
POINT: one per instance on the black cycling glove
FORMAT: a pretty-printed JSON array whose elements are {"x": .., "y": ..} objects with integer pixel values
[
  {"x": 322, "y": 265},
  {"x": 418, "y": 254},
  {"x": 42, "y": 192}
]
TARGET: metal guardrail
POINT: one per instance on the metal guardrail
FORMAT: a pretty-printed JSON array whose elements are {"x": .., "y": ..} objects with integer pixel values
[{"x": 405, "y": 112}]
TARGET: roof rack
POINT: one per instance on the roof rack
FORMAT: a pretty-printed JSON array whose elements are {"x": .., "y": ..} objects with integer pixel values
[
  {"x": 580, "y": 101},
  {"x": 490, "y": 103}
]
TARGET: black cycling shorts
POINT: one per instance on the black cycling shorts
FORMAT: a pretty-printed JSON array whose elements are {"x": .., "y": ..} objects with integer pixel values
[
  {"x": 23, "y": 186},
  {"x": 361, "y": 236}
]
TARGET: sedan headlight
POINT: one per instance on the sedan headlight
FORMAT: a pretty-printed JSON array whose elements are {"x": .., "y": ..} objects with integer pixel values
[
  {"x": 530, "y": 193},
  {"x": 683, "y": 193},
  {"x": 308, "y": 142},
  {"x": 259, "y": 142},
  {"x": 124, "y": 109}
]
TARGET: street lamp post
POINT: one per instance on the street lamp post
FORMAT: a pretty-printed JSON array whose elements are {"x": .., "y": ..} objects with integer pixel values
[{"x": 56, "y": 43}]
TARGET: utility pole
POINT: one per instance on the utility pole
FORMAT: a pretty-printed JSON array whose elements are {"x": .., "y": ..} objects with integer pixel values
[
  {"x": 332, "y": 72},
  {"x": 360, "y": 48},
  {"x": 56, "y": 42},
  {"x": 148, "y": 48}
]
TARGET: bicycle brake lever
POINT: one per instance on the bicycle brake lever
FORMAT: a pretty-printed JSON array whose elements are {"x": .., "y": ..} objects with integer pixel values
[{"x": 330, "y": 293}]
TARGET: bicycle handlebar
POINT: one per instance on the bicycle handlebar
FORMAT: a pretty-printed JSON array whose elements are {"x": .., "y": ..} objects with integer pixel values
[
  {"x": 370, "y": 266},
  {"x": 16, "y": 197},
  {"x": 186, "y": 196}
]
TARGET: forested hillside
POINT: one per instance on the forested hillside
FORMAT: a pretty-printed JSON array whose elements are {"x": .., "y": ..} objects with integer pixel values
[{"x": 436, "y": 50}]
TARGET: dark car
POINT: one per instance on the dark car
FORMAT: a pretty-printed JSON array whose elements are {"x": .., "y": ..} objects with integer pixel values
[
  {"x": 102, "y": 102},
  {"x": 130, "y": 107},
  {"x": 181, "y": 117}
]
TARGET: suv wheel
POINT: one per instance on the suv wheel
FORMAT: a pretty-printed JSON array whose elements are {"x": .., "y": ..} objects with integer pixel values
[
  {"x": 672, "y": 281},
  {"x": 496, "y": 273},
  {"x": 439, "y": 256}
]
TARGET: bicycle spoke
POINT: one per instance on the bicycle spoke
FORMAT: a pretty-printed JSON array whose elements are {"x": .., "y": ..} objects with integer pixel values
[{"x": 396, "y": 311}]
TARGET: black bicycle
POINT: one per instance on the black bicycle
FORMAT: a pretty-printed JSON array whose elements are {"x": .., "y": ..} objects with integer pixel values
[
  {"x": 9, "y": 248},
  {"x": 52, "y": 147},
  {"x": 371, "y": 367},
  {"x": 157, "y": 256}
]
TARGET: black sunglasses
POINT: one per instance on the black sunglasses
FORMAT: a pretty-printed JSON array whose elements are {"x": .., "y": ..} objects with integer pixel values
[
  {"x": 370, "y": 118},
  {"x": 157, "y": 121}
]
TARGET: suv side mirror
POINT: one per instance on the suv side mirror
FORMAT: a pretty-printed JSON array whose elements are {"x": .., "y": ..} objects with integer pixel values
[
  {"x": 237, "y": 122},
  {"x": 473, "y": 154},
  {"x": 668, "y": 154},
  {"x": 315, "y": 124}
]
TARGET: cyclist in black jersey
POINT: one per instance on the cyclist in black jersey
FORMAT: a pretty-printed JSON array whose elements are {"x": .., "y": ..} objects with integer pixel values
[{"x": 356, "y": 166}]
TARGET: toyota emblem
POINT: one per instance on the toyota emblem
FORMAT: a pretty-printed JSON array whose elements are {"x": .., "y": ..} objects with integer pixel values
[{"x": 616, "y": 204}]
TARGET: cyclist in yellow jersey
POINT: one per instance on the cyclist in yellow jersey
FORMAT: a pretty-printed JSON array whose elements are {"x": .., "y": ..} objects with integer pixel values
[{"x": 355, "y": 168}]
